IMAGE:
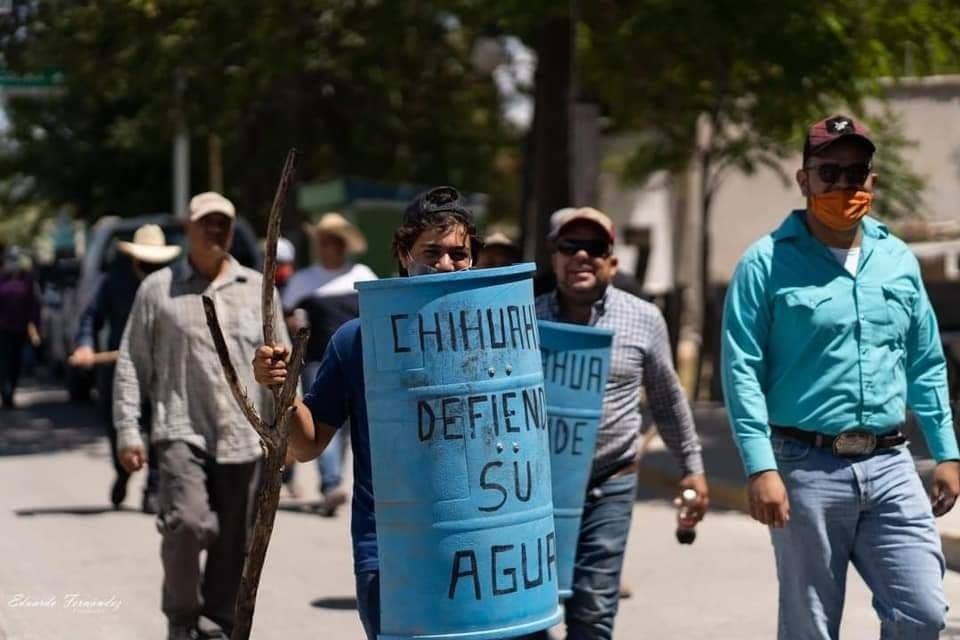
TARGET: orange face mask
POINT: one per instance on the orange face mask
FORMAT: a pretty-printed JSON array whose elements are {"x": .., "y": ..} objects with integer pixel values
[{"x": 841, "y": 210}]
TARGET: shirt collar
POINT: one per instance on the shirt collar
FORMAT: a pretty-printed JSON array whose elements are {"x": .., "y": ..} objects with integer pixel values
[
  {"x": 794, "y": 226},
  {"x": 183, "y": 271},
  {"x": 600, "y": 307}
]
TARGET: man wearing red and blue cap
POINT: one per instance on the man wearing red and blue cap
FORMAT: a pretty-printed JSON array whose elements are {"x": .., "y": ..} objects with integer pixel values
[{"x": 828, "y": 337}]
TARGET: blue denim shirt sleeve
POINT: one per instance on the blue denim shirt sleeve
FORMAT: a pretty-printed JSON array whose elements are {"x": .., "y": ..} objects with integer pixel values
[
  {"x": 91, "y": 320},
  {"x": 927, "y": 380},
  {"x": 746, "y": 325}
]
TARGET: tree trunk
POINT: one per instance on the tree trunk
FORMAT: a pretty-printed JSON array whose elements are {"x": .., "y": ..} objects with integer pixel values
[
  {"x": 706, "y": 202},
  {"x": 552, "y": 166}
]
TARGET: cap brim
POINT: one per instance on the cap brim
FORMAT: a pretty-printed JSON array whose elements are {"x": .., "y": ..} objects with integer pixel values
[
  {"x": 206, "y": 212},
  {"x": 149, "y": 253},
  {"x": 599, "y": 225}
]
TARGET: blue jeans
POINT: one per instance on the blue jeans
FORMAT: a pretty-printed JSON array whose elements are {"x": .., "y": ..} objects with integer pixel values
[
  {"x": 871, "y": 511},
  {"x": 330, "y": 462},
  {"x": 368, "y": 602},
  {"x": 607, "y": 511}
]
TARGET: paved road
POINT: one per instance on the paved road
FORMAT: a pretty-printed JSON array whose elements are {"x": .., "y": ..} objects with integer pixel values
[{"x": 59, "y": 538}]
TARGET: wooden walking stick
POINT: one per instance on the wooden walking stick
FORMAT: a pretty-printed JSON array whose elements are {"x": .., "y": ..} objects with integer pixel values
[{"x": 273, "y": 435}]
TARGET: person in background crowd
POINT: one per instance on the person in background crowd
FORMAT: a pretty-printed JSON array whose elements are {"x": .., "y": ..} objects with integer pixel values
[
  {"x": 325, "y": 294},
  {"x": 208, "y": 455},
  {"x": 19, "y": 319},
  {"x": 498, "y": 250},
  {"x": 110, "y": 306}
]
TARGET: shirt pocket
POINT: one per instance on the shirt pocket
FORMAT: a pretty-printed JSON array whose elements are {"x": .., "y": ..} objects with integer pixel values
[
  {"x": 899, "y": 301},
  {"x": 806, "y": 309}
]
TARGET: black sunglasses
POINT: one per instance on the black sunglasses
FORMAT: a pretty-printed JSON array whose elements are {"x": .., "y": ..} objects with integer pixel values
[
  {"x": 830, "y": 172},
  {"x": 594, "y": 248}
]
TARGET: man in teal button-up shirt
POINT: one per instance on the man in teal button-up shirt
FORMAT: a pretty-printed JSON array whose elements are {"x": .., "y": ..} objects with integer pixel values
[{"x": 828, "y": 331}]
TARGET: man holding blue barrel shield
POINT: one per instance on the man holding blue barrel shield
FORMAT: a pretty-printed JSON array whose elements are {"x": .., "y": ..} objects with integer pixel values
[
  {"x": 584, "y": 265},
  {"x": 478, "y": 581}
]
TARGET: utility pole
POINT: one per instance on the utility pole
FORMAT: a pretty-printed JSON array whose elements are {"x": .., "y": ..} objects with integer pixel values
[{"x": 181, "y": 150}]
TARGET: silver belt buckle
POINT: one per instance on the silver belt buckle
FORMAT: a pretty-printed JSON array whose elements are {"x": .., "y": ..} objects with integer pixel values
[{"x": 855, "y": 443}]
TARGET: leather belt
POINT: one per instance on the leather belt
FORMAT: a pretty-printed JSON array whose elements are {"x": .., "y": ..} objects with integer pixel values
[{"x": 857, "y": 442}]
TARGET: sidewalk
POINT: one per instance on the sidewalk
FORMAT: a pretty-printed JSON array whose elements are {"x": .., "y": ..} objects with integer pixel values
[{"x": 727, "y": 481}]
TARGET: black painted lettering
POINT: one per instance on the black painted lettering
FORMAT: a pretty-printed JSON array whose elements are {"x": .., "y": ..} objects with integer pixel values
[
  {"x": 576, "y": 377},
  {"x": 516, "y": 481},
  {"x": 577, "y": 439},
  {"x": 508, "y": 412},
  {"x": 531, "y": 408},
  {"x": 561, "y": 435},
  {"x": 494, "y": 343},
  {"x": 436, "y": 333},
  {"x": 527, "y": 582},
  {"x": 596, "y": 381},
  {"x": 471, "y": 401},
  {"x": 543, "y": 407},
  {"x": 453, "y": 332},
  {"x": 465, "y": 329},
  {"x": 551, "y": 554},
  {"x": 559, "y": 373},
  {"x": 424, "y": 410},
  {"x": 510, "y": 572},
  {"x": 530, "y": 326},
  {"x": 456, "y": 573},
  {"x": 496, "y": 417},
  {"x": 492, "y": 486},
  {"x": 451, "y": 411},
  {"x": 516, "y": 328},
  {"x": 397, "y": 347}
]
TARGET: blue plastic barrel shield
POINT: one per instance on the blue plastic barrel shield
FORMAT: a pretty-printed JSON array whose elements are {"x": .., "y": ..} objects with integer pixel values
[
  {"x": 576, "y": 359},
  {"x": 460, "y": 455}
]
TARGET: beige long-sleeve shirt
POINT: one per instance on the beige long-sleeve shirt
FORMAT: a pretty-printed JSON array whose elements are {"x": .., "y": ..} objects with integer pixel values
[{"x": 167, "y": 354}]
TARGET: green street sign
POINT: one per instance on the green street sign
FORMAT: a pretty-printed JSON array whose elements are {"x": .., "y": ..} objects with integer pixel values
[{"x": 48, "y": 79}]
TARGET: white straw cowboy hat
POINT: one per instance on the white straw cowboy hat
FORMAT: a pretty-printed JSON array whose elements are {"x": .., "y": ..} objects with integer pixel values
[
  {"x": 336, "y": 225},
  {"x": 149, "y": 245}
]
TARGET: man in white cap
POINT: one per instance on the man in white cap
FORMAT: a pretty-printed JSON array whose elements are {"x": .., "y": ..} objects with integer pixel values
[
  {"x": 207, "y": 453},
  {"x": 110, "y": 305},
  {"x": 325, "y": 293}
]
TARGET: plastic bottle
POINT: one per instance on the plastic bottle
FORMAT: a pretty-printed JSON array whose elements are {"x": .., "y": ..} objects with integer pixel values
[{"x": 684, "y": 503}]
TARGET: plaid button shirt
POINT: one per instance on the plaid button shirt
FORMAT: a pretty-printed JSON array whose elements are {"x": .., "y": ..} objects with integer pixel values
[
  {"x": 640, "y": 357},
  {"x": 167, "y": 349}
]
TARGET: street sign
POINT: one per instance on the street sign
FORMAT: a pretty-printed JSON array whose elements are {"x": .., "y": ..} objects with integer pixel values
[{"x": 46, "y": 79}]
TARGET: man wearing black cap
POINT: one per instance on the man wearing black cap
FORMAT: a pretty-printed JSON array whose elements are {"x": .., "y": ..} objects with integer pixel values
[
  {"x": 828, "y": 337},
  {"x": 437, "y": 235}
]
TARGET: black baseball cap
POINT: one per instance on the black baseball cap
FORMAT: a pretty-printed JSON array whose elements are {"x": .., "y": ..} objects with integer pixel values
[{"x": 436, "y": 200}]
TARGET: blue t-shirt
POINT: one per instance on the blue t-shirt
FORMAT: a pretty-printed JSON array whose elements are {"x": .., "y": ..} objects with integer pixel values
[{"x": 337, "y": 394}]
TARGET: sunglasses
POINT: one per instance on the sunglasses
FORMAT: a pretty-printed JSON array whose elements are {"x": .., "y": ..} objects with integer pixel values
[
  {"x": 435, "y": 254},
  {"x": 830, "y": 172},
  {"x": 594, "y": 248}
]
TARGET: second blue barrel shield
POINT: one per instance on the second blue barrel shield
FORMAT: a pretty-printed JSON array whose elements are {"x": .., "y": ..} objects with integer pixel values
[
  {"x": 576, "y": 359},
  {"x": 460, "y": 455}
]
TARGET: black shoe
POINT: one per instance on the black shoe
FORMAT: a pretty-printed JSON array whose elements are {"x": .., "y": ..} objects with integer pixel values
[
  {"x": 151, "y": 504},
  {"x": 207, "y": 629},
  {"x": 178, "y": 632},
  {"x": 119, "y": 492}
]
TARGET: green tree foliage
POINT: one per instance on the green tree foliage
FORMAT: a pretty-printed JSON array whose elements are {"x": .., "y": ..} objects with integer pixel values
[{"x": 375, "y": 88}]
